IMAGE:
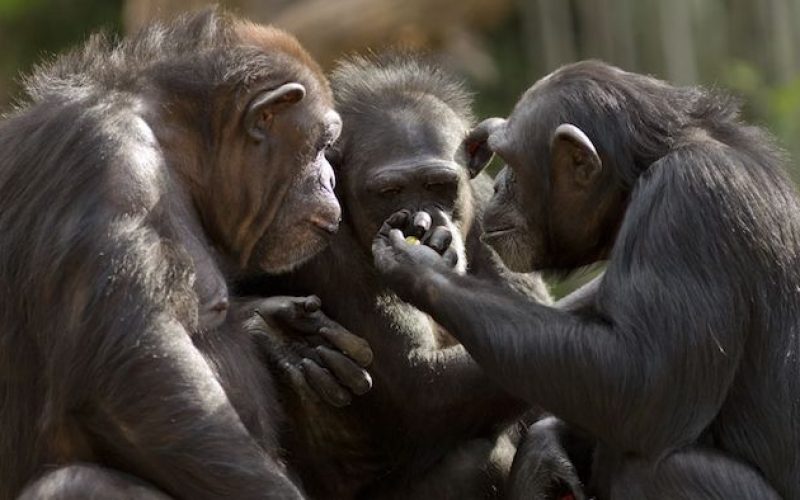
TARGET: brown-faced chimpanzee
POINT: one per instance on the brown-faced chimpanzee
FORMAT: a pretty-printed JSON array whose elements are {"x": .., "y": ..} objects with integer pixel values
[
  {"x": 428, "y": 427},
  {"x": 685, "y": 366},
  {"x": 136, "y": 179}
]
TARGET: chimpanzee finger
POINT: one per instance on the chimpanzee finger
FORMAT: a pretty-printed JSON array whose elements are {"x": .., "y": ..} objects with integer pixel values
[
  {"x": 301, "y": 308},
  {"x": 439, "y": 238},
  {"x": 300, "y": 314},
  {"x": 349, "y": 374},
  {"x": 419, "y": 225},
  {"x": 353, "y": 346},
  {"x": 450, "y": 257},
  {"x": 297, "y": 381},
  {"x": 397, "y": 220},
  {"x": 396, "y": 238},
  {"x": 325, "y": 384},
  {"x": 312, "y": 304},
  {"x": 278, "y": 307},
  {"x": 382, "y": 253}
]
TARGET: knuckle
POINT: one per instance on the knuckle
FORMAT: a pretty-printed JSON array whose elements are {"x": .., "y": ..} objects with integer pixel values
[
  {"x": 342, "y": 398},
  {"x": 326, "y": 354},
  {"x": 308, "y": 366}
]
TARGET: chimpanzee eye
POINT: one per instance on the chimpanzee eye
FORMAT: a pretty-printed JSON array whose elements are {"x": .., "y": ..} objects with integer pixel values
[
  {"x": 325, "y": 142},
  {"x": 391, "y": 191}
]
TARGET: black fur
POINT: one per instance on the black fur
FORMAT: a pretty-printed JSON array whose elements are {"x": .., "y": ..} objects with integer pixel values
[
  {"x": 685, "y": 365},
  {"x": 429, "y": 427}
]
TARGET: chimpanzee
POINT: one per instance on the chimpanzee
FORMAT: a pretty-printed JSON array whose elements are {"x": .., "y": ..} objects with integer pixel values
[
  {"x": 428, "y": 428},
  {"x": 685, "y": 366},
  {"x": 136, "y": 180}
]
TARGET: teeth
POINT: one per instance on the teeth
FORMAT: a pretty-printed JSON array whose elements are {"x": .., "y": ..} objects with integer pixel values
[{"x": 412, "y": 240}]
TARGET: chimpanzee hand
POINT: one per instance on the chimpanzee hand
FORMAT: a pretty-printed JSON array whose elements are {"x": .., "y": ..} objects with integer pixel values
[
  {"x": 407, "y": 245},
  {"x": 326, "y": 361}
]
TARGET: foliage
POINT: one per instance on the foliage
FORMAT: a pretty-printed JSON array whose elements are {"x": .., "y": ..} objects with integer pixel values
[
  {"x": 32, "y": 29},
  {"x": 775, "y": 106}
]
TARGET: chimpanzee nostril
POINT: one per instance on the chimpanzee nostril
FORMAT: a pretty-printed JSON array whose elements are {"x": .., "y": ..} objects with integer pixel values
[{"x": 327, "y": 179}]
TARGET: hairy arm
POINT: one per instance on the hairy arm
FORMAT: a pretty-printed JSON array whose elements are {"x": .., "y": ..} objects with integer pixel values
[
  {"x": 648, "y": 371},
  {"x": 444, "y": 383}
]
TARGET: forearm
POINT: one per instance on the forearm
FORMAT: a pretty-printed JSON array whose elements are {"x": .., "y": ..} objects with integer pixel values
[
  {"x": 620, "y": 382},
  {"x": 443, "y": 382},
  {"x": 529, "y": 349},
  {"x": 448, "y": 382}
]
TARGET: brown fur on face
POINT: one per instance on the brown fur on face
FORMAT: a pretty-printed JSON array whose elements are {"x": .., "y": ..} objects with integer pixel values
[{"x": 260, "y": 201}]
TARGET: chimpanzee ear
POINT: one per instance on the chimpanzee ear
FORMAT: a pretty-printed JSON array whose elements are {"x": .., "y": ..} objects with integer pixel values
[
  {"x": 476, "y": 145},
  {"x": 261, "y": 109},
  {"x": 571, "y": 147}
]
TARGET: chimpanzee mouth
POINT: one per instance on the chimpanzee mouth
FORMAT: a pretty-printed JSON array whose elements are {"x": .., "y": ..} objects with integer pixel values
[{"x": 323, "y": 228}]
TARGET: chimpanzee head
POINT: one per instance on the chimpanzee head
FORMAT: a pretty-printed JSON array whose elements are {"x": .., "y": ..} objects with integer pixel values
[
  {"x": 246, "y": 117},
  {"x": 404, "y": 123},
  {"x": 573, "y": 148}
]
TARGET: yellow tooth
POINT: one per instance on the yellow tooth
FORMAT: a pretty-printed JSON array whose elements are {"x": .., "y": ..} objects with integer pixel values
[{"x": 412, "y": 240}]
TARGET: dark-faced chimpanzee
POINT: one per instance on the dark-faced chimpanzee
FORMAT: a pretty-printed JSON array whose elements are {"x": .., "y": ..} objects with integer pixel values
[
  {"x": 428, "y": 427},
  {"x": 685, "y": 365},
  {"x": 135, "y": 180}
]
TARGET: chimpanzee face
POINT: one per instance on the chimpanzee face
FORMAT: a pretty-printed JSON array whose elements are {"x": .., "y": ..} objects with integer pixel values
[
  {"x": 289, "y": 149},
  {"x": 404, "y": 157},
  {"x": 514, "y": 221},
  {"x": 555, "y": 206},
  {"x": 266, "y": 194}
]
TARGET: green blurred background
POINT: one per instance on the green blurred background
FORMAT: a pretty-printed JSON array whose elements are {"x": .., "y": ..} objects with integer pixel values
[{"x": 751, "y": 48}]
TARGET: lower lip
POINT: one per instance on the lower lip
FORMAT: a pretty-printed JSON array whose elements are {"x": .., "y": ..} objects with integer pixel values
[{"x": 322, "y": 232}]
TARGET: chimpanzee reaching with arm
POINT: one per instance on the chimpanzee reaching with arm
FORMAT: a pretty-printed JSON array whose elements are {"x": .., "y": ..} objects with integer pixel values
[{"x": 685, "y": 368}]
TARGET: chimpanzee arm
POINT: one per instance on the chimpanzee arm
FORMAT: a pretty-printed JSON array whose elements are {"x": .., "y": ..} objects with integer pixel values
[
  {"x": 462, "y": 394},
  {"x": 447, "y": 387},
  {"x": 444, "y": 379},
  {"x": 147, "y": 398},
  {"x": 649, "y": 371}
]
